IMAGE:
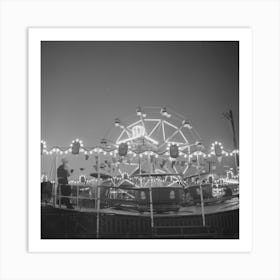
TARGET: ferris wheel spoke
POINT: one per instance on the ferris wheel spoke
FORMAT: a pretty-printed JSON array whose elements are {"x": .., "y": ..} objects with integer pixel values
[
  {"x": 182, "y": 134},
  {"x": 163, "y": 131},
  {"x": 153, "y": 130}
]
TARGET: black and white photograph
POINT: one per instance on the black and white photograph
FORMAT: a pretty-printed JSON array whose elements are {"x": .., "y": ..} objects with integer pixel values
[{"x": 140, "y": 140}]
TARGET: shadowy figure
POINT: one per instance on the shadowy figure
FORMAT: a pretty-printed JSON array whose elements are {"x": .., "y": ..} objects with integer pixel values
[{"x": 62, "y": 175}]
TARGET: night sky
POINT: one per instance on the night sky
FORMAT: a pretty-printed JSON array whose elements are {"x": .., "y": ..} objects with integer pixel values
[{"x": 86, "y": 85}]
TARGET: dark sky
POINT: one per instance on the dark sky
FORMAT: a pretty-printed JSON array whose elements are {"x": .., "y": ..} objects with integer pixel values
[{"x": 86, "y": 85}]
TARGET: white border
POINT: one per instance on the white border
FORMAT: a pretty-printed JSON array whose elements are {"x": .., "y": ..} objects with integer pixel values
[{"x": 243, "y": 35}]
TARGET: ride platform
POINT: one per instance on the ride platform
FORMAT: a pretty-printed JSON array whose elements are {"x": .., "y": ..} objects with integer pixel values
[{"x": 222, "y": 221}]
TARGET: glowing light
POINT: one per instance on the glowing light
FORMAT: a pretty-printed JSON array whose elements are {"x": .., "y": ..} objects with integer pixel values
[
  {"x": 186, "y": 124},
  {"x": 138, "y": 131},
  {"x": 134, "y": 138},
  {"x": 163, "y": 111},
  {"x": 117, "y": 122},
  {"x": 151, "y": 139},
  {"x": 197, "y": 143},
  {"x": 138, "y": 111}
]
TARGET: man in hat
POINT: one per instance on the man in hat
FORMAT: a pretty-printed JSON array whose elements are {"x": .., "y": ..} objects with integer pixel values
[{"x": 62, "y": 178}]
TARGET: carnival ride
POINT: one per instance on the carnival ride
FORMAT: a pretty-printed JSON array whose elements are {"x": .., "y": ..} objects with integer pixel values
[{"x": 153, "y": 161}]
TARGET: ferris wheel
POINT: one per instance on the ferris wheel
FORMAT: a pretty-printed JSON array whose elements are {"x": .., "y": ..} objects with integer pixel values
[
  {"x": 156, "y": 126},
  {"x": 160, "y": 134},
  {"x": 152, "y": 140}
]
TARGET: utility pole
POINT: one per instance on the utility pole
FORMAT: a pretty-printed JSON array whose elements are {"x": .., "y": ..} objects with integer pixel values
[{"x": 229, "y": 117}]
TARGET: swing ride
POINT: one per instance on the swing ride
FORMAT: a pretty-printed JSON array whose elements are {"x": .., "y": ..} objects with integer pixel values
[{"x": 152, "y": 164}]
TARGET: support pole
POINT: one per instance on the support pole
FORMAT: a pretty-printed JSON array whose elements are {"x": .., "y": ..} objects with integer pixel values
[
  {"x": 151, "y": 196},
  {"x": 77, "y": 194},
  {"x": 236, "y": 161},
  {"x": 98, "y": 196},
  {"x": 54, "y": 194},
  {"x": 140, "y": 171},
  {"x": 229, "y": 117},
  {"x": 59, "y": 193},
  {"x": 201, "y": 193},
  {"x": 55, "y": 185}
]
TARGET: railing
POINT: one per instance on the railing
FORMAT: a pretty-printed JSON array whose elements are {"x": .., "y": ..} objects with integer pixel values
[
  {"x": 57, "y": 194},
  {"x": 82, "y": 195},
  {"x": 110, "y": 225},
  {"x": 75, "y": 196}
]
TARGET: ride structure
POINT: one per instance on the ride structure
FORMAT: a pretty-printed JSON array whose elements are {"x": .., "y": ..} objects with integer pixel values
[{"x": 148, "y": 159}]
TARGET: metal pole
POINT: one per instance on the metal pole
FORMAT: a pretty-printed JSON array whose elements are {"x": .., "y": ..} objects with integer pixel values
[
  {"x": 98, "y": 195},
  {"x": 229, "y": 116},
  {"x": 151, "y": 205},
  {"x": 55, "y": 181},
  {"x": 236, "y": 161},
  {"x": 151, "y": 195},
  {"x": 59, "y": 190},
  {"x": 140, "y": 171},
  {"x": 201, "y": 193},
  {"x": 77, "y": 195},
  {"x": 54, "y": 194}
]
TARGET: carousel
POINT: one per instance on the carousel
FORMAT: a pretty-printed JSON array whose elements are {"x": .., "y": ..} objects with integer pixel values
[{"x": 150, "y": 177}]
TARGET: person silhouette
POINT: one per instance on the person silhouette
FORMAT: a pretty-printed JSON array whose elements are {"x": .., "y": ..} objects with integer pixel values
[{"x": 62, "y": 178}]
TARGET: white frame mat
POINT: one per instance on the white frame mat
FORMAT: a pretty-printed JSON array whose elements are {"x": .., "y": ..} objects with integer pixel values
[{"x": 243, "y": 35}]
